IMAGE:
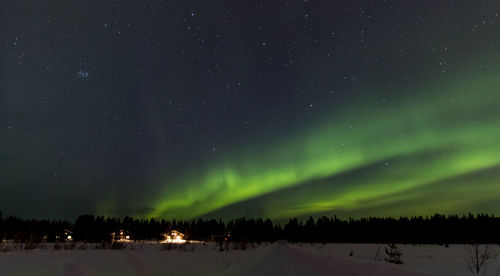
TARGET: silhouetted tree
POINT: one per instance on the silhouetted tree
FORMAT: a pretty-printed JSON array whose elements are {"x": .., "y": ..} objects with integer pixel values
[
  {"x": 478, "y": 256},
  {"x": 393, "y": 254},
  {"x": 436, "y": 229}
]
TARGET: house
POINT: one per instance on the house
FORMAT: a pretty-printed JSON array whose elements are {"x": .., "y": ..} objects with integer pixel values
[
  {"x": 121, "y": 236},
  {"x": 68, "y": 235},
  {"x": 173, "y": 236},
  {"x": 64, "y": 235}
]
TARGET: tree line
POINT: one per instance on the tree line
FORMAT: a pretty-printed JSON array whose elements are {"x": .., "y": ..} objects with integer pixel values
[{"x": 435, "y": 229}]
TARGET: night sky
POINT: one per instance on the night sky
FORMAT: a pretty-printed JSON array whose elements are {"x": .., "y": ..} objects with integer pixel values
[{"x": 185, "y": 109}]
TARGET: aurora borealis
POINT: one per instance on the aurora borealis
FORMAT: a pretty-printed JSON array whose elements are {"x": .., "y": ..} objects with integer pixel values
[{"x": 186, "y": 109}]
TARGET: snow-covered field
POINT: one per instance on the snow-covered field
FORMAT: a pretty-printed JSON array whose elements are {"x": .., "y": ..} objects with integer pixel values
[{"x": 267, "y": 259}]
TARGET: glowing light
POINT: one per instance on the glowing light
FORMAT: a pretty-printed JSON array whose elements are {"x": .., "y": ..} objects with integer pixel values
[
  {"x": 177, "y": 239},
  {"x": 412, "y": 136},
  {"x": 438, "y": 133}
]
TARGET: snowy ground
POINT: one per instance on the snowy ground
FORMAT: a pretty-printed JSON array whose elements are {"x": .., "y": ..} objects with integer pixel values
[{"x": 271, "y": 259}]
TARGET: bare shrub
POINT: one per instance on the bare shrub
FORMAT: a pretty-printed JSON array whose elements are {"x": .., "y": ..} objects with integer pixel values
[
  {"x": 222, "y": 244},
  {"x": 58, "y": 246},
  {"x": 5, "y": 248},
  {"x": 393, "y": 254},
  {"x": 104, "y": 245},
  {"x": 69, "y": 246},
  {"x": 82, "y": 246},
  {"x": 241, "y": 245},
  {"x": 186, "y": 245},
  {"x": 166, "y": 246},
  {"x": 30, "y": 245},
  {"x": 377, "y": 254},
  {"x": 477, "y": 257},
  {"x": 118, "y": 246}
]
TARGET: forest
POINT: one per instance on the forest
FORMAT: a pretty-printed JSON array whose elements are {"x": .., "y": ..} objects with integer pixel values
[{"x": 435, "y": 229}]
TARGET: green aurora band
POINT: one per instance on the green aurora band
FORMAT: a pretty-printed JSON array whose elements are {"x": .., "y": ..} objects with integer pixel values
[{"x": 442, "y": 133}]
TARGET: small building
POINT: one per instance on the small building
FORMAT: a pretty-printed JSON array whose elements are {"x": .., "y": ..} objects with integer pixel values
[
  {"x": 121, "y": 236},
  {"x": 65, "y": 235},
  {"x": 173, "y": 236},
  {"x": 68, "y": 235},
  {"x": 228, "y": 236}
]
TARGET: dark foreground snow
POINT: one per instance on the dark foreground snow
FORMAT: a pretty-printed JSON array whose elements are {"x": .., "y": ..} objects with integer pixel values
[{"x": 271, "y": 259}]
